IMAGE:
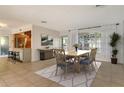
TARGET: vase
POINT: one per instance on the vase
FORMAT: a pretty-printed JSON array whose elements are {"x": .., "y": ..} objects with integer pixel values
[{"x": 114, "y": 60}]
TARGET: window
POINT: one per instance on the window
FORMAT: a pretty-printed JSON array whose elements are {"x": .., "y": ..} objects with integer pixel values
[
  {"x": 89, "y": 40},
  {"x": 65, "y": 42}
]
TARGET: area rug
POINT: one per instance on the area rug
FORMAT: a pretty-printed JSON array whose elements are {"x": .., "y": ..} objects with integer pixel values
[{"x": 72, "y": 79}]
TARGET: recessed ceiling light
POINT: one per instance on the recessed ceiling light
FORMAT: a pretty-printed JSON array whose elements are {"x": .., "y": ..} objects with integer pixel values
[
  {"x": 3, "y": 25},
  {"x": 43, "y": 21}
]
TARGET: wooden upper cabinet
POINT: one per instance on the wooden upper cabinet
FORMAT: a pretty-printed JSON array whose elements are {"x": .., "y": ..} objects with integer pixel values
[{"x": 23, "y": 40}]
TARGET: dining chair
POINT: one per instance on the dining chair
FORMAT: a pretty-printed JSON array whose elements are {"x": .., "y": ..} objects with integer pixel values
[
  {"x": 61, "y": 60},
  {"x": 89, "y": 61},
  {"x": 53, "y": 52}
]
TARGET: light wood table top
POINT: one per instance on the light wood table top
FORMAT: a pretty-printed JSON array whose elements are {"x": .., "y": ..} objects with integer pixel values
[
  {"x": 76, "y": 54},
  {"x": 45, "y": 49}
]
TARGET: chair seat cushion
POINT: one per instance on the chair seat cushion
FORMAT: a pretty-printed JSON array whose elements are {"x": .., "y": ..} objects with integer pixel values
[
  {"x": 63, "y": 65},
  {"x": 85, "y": 61}
]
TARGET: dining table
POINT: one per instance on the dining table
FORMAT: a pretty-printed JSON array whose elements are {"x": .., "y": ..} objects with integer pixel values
[{"x": 77, "y": 55}]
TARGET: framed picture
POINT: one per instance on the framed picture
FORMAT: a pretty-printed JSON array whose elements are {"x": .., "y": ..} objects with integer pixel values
[{"x": 46, "y": 40}]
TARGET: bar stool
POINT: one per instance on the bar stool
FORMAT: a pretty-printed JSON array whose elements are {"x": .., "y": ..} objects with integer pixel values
[
  {"x": 16, "y": 56},
  {"x": 10, "y": 54}
]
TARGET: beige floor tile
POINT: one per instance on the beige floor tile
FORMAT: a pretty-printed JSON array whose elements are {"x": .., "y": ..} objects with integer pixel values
[
  {"x": 101, "y": 83},
  {"x": 34, "y": 78},
  {"x": 22, "y": 74},
  {"x": 44, "y": 83},
  {"x": 116, "y": 85},
  {"x": 112, "y": 73},
  {"x": 55, "y": 85},
  {"x": 3, "y": 85},
  {"x": 104, "y": 78},
  {"x": 10, "y": 81},
  {"x": 21, "y": 83},
  {"x": 118, "y": 80}
]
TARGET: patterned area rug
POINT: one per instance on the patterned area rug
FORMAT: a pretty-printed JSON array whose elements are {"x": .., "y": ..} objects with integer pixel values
[{"x": 82, "y": 79}]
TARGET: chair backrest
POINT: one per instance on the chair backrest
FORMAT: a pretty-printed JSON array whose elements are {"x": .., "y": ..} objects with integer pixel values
[
  {"x": 54, "y": 51},
  {"x": 60, "y": 56},
  {"x": 10, "y": 54},
  {"x": 93, "y": 54}
]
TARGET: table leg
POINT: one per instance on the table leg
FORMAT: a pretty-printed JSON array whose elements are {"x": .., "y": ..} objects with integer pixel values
[
  {"x": 77, "y": 64},
  {"x": 88, "y": 54}
]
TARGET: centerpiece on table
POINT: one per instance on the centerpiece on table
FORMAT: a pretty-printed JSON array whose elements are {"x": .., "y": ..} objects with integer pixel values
[{"x": 76, "y": 47}]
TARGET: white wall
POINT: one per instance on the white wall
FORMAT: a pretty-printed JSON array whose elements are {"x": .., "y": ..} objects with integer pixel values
[
  {"x": 4, "y": 33},
  {"x": 37, "y": 31},
  {"x": 121, "y": 43},
  {"x": 22, "y": 29}
]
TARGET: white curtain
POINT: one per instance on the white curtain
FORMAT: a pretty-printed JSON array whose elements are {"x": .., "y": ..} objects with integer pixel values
[
  {"x": 106, "y": 31},
  {"x": 73, "y": 37}
]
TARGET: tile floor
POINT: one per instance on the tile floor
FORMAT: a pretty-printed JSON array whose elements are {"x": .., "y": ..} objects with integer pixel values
[
  {"x": 22, "y": 74},
  {"x": 109, "y": 75}
]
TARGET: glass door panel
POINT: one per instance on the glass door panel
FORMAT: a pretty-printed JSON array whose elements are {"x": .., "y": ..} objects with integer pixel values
[{"x": 4, "y": 45}]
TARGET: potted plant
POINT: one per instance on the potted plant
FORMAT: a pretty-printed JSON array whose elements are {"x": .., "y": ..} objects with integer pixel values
[
  {"x": 114, "y": 38},
  {"x": 76, "y": 46}
]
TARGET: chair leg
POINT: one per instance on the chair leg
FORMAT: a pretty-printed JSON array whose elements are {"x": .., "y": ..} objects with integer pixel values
[
  {"x": 89, "y": 69},
  {"x": 65, "y": 71},
  {"x": 56, "y": 70},
  {"x": 11, "y": 60},
  {"x": 73, "y": 79},
  {"x": 93, "y": 67},
  {"x": 14, "y": 61},
  {"x": 8, "y": 59},
  {"x": 96, "y": 65},
  {"x": 86, "y": 78}
]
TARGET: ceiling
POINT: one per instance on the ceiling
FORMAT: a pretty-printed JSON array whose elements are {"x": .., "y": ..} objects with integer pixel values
[{"x": 61, "y": 17}]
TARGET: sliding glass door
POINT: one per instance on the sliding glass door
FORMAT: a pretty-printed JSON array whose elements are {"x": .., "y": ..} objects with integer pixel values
[
  {"x": 90, "y": 40},
  {"x": 4, "y": 45}
]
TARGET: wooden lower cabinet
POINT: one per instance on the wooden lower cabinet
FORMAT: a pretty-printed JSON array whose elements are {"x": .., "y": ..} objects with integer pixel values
[{"x": 46, "y": 54}]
